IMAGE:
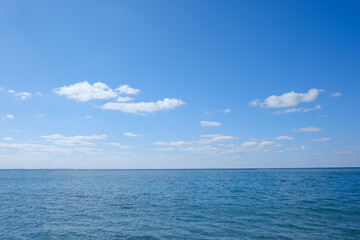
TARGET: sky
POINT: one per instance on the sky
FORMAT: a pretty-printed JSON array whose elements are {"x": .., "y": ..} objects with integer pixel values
[{"x": 179, "y": 84}]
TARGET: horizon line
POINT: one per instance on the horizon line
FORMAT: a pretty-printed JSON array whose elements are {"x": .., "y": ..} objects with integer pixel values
[{"x": 134, "y": 169}]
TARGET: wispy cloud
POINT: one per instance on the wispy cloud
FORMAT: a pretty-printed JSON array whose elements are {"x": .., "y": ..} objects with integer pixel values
[
  {"x": 8, "y": 116},
  {"x": 78, "y": 140},
  {"x": 307, "y": 129},
  {"x": 129, "y": 134},
  {"x": 217, "y": 139},
  {"x": 293, "y": 110},
  {"x": 325, "y": 139},
  {"x": 285, "y": 138},
  {"x": 210, "y": 124},
  {"x": 336, "y": 94},
  {"x": 289, "y": 99},
  {"x": 144, "y": 107},
  {"x": 21, "y": 95},
  {"x": 38, "y": 149},
  {"x": 173, "y": 144},
  {"x": 118, "y": 145},
  {"x": 254, "y": 146}
]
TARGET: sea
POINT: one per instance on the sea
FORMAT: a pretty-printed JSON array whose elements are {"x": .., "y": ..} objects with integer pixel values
[{"x": 180, "y": 204}]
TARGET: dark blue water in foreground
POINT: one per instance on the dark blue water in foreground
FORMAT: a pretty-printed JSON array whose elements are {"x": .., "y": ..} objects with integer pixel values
[{"x": 180, "y": 204}]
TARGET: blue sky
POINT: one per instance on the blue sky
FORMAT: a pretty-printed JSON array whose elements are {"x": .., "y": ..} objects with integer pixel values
[{"x": 179, "y": 84}]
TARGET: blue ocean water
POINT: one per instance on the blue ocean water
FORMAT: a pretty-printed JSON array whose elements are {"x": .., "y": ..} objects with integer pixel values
[{"x": 180, "y": 204}]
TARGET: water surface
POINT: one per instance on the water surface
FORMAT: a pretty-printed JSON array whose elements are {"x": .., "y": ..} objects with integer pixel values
[{"x": 180, "y": 204}]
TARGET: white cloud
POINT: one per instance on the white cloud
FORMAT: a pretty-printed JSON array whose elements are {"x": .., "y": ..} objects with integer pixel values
[
  {"x": 59, "y": 139},
  {"x": 126, "y": 89},
  {"x": 118, "y": 145},
  {"x": 289, "y": 99},
  {"x": 227, "y": 110},
  {"x": 31, "y": 149},
  {"x": 165, "y": 149},
  {"x": 210, "y": 124},
  {"x": 248, "y": 144},
  {"x": 352, "y": 151},
  {"x": 325, "y": 139},
  {"x": 209, "y": 135},
  {"x": 8, "y": 116},
  {"x": 83, "y": 91},
  {"x": 208, "y": 139},
  {"x": 303, "y": 109},
  {"x": 217, "y": 139},
  {"x": 129, "y": 134},
  {"x": 262, "y": 146},
  {"x": 7, "y": 138},
  {"x": 336, "y": 94},
  {"x": 21, "y": 95},
  {"x": 124, "y": 99},
  {"x": 88, "y": 116},
  {"x": 285, "y": 138},
  {"x": 307, "y": 129},
  {"x": 144, "y": 107},
  {"x": 317, "y": 107},
  {"x": 172, "y": 144}
]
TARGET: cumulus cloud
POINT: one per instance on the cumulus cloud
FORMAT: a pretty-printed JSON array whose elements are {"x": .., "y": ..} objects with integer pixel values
[
  {"x": 129, "y": 134},
  {"x": 84, "y": 91},
  {"x": 144, "y": 107},
  {"x": 289, "y": 99},
  {"x": 307, "y": 129},
  {"x": 325, "y": 139},
  {"x": 336, "y": 94},
  {"x": 293, "y": 110},
  {"x": 285, "y": 138},
  {"x": 78, "y": 140},
  {"x": 210, "y": 124},
  {"x": 126, "y": 89}
]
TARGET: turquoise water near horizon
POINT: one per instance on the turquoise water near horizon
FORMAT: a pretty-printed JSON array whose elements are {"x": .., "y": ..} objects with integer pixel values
[{"x": 180, "y": 204}]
